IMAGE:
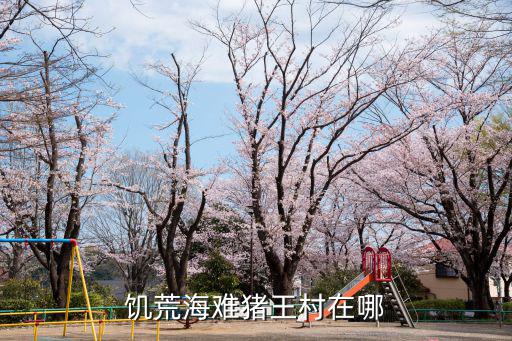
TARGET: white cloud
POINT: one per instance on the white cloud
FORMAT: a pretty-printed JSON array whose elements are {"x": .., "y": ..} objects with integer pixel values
[{"x": 136, "y": 39}]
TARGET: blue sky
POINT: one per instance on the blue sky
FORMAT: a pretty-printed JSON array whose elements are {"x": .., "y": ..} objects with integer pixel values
[
  {"x": 135, "y": 39},
  {"x": 210, "y": 108}
]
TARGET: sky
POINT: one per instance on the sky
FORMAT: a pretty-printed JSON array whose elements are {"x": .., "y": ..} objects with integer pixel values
[{"x": 134, "y": 39}]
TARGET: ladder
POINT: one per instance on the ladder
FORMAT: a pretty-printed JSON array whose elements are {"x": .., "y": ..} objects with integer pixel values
[{"x": 397, "y": 302}]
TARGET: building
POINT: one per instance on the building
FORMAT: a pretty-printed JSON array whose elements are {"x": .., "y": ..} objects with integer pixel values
[{"x": 443, "y": 282}]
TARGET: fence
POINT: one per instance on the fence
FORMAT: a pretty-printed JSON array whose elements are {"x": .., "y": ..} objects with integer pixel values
[
  {"x": 424, "y": 315},
  {"x": 462, "y": 315}
]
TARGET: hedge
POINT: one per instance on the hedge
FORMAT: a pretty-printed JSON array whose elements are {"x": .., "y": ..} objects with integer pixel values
[{"x": 438, "y": 304}]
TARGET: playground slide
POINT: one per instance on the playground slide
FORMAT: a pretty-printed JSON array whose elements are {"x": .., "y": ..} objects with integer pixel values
[{"x": 349, "y": 290}]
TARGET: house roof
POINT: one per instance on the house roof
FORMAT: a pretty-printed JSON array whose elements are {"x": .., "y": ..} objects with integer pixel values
[
  {"x": 443, "y": 243},
  {"x": 447, "y": 246}
]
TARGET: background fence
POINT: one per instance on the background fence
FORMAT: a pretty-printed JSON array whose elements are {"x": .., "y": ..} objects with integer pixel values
[{"x": 424, "y": 315}]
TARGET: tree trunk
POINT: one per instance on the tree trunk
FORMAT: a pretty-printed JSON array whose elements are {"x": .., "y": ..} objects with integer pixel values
[
  {"x": 478, "y": 284},
  {"x": 176, "y": 280},
  {"x": 181, "y": 281},
  {"x": 282, "y": 285},
  {"x": 506, "y": 289},
  {"x": 16, "y": 261},
  {"x": 59, "y": 275},
  {"x": 170, "y": 278}
]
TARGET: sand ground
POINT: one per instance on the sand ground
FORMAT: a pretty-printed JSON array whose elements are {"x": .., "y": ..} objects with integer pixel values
[{"x": 273, "y": 330}]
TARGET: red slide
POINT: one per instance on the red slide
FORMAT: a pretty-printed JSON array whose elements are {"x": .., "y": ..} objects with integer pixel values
[{"x": 349, "y": 290}]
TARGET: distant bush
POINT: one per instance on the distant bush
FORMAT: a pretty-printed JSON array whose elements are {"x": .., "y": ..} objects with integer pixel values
[
  {"x": 438, "y": 304},
  {"x": 218, "y": 276},
  {"x": 410, "y": 280},
  {"x": 507, "y": 307},
  {"x": 21, "y": 294},
  {"x": 22, "y": 289},
  {"x": 28, "y": 294},
  {"x": 99, "y": 295},
  {"x": 96, "y": 300}
]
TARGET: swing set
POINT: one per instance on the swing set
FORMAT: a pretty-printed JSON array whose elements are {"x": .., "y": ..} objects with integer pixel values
[{"x": 75, "y": 253}]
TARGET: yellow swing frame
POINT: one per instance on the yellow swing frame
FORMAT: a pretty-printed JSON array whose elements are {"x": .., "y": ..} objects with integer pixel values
[{"x": 75, "y": 253}]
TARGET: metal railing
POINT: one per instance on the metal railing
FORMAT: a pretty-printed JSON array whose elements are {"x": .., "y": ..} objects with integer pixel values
[
  {"x": 424, "y": 314},
  {"x": 403, "y": 289},
  {"x": 462, "y": 315}
]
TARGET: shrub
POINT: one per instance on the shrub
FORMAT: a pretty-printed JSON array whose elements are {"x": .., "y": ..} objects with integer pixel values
[
  {"x": 218, "y": 276},
  {"x": 78, "y": 299},
  {"x": 26, "y": 294},
  {"x": 438, "y": 304},
  {"x": 507, "y": 306},
  {"x": 99, "y": 295},
  {"x": 410, "y": 280},
  {"x": 17, "y": 304},
  {"x": 21, "y": 294},
  {"x": 22, "y": 289}
]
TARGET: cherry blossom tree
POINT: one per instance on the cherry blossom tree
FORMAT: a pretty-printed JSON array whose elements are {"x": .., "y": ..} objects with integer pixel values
[
  {"x": 176, "y": 212},
  {"x": 351, "y": 219},
  {"x": 64, "y": 145},
  {"x": 121, "y": 224},
  {"x": 336, "y": 232},
  {"x": 453, "y": 176},
  {"x": 501, "y": 269},
  {"x": 49, "y": 25},
  {"x": 494, "y": 14},
  {"x": 17, "y": 15},
  {"x": 308, "y": 111}
]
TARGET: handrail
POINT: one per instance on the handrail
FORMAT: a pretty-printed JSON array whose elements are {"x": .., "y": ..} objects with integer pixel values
[
  {"x": 460, "y": 310},
  {"x": 461, "y": 315},
  {"x": 405, "y": 290}
]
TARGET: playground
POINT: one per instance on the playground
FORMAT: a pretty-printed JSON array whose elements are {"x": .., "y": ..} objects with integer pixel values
[
  {"x": 255, "y": 170},
  {"x": 277, "y": 330},
  {"x": 100, "y": 323}
]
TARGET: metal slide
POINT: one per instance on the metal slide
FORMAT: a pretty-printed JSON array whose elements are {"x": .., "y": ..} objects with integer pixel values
[
  {"x": 348, "y": 290},
  {"x": 377, "y": 267}
]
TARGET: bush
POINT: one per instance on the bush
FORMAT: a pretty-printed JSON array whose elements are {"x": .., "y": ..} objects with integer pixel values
[
  {"x": 218, "y": 276},
  {"x": 17, "y": 304},
  {"x": 438, "y": 304},
  {"x": 410, "y": 280},
  {"x": 507, "y": 306},
  {"x": 96, "y": 300},
  {"x": 99, "y": 295},
  {"x": 26, "y": 294},
  {"x": 21, "y": 294},
  {"x": 21, "y": 289}
]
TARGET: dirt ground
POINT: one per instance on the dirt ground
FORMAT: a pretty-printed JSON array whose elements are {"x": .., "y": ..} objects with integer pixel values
[{"x": 274, "y": 330}]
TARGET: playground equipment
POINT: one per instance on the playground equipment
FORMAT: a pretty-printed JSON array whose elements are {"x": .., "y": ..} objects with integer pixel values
[
  {"x": 376, "y": 266},
  {"x": 75, "y": 253},
  {"x": 38, "y": 316}
]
